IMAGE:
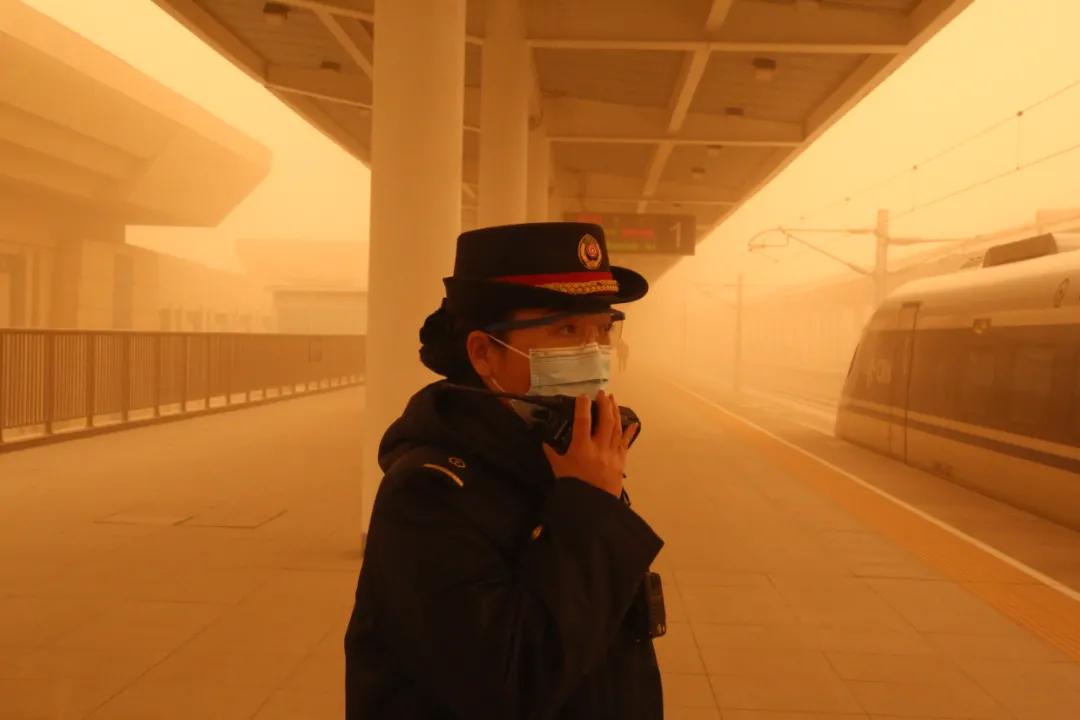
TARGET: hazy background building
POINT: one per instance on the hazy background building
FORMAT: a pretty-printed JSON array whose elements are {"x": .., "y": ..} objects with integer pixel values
[{"x": 317, "y": 287}]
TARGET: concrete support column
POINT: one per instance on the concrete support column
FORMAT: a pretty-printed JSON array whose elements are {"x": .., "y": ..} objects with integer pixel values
[
  {"x": 415, "y": 200},
  {"x": 504, "y": 121},
  {"x": 539, "y": 171}
]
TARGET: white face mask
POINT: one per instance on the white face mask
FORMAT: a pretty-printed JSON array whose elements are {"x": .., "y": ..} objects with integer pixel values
[{"x": 569, "y": 371}]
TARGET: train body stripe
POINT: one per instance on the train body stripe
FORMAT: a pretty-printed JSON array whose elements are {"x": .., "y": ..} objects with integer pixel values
[{"x": 1022, "y": 451}]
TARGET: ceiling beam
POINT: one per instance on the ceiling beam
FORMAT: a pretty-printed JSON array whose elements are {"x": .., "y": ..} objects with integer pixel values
[
  {"x": 718, "y": 140},
  {"x": 342, "y": 88},
  {"x": 573, "y": 119},
  {"x": 732, "y": 26},
  {"x": 352, "y": 46},
  {"x": 656, "y": 171},
  {"x": 717, "y": 15},
  {"x": 689, "y": 79},
  {"x": 725, "y": 46},
  {"x": 686, "y": 86},
  {"x": 293, "y": 90},
  {"x": 324, "y": 6},
  {"x": 617, "y": 127}
]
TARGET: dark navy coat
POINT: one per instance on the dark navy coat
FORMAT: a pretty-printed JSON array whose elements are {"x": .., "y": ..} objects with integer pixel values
[{"x": 491, "y": 589}]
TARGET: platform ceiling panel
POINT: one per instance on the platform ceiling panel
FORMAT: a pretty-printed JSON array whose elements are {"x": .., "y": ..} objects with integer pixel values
[
  {"x": 634, "y": 19},
  {"x": 632, "y": 91},
  {"x": 307, "y": 44},
  {"x": 798, "y": 84},
  {"x": 629, "y": 77},
  {"x": 728, "y": 171},
  {"x": 629, "y": 161},
  {"x": 705, "y": 215}
]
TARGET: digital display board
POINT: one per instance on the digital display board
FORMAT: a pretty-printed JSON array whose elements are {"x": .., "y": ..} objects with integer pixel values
[{"x": 643, "y": 234}]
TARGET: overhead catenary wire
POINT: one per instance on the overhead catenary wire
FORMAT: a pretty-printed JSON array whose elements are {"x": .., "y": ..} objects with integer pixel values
[
  {"x": 1016, "y": 117},
  {"x": 986, "y": 181}
]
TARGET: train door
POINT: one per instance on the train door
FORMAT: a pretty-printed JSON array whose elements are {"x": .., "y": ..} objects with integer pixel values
[{"x": 904, "y": 352}]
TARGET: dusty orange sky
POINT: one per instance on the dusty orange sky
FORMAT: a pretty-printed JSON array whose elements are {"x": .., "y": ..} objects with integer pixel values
[{"x": 996, "y": 58}]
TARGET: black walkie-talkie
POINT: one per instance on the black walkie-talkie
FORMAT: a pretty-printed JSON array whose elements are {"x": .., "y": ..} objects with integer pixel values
[{"x": 554, "y": 415}]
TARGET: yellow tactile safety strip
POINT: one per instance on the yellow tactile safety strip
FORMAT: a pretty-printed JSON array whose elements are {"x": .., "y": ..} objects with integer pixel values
[{"x": 1043, "y": 610}]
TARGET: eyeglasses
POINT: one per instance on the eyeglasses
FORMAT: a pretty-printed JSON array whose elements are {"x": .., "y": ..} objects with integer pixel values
[{"x": 572, "y": 328}]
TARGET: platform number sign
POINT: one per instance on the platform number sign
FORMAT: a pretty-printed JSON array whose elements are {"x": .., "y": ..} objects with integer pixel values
[{"x": 643, "y": 234}]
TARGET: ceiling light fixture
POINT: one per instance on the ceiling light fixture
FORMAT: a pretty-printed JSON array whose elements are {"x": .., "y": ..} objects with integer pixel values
[
  {"x": 764, "y": 69},
  {"x": 733, "y": 111},
  {"x": 275, "y": 14},
  {"x": 697, "y": 172},
  {"x": 330, "y": 65},
  {"x": 713, "y": 151}
]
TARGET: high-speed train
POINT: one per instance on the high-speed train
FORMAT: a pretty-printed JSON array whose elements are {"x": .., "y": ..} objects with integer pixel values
[{"x": 975, "y": 376}]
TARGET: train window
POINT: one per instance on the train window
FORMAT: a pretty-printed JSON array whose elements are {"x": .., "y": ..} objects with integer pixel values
[
  {"x": 1032, "y": 381},
  {"x": 946, "y": 378},
  {"x": 935, "y": 374},
  {"x": 976, "y": 391}
]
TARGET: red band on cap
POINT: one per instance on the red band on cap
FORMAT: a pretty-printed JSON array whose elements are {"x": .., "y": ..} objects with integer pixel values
[{"x": 556, "y": 278}]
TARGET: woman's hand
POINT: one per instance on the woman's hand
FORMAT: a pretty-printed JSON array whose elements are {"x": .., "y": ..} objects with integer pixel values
[{"x": 598, "y": 458}]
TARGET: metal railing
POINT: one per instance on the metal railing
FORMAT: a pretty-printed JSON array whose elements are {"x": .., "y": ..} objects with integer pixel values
[{"x": 65, "y": 381}]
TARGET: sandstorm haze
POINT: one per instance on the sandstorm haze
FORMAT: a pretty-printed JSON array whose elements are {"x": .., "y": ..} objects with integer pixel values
[
  {"x": 315, "y": 191},
  {"x": 997, "y": 57},
  {"x": 860, "y": 395}
]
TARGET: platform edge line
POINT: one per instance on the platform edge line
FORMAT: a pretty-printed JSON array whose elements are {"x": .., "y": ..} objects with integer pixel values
[{"x": 960, "y": 534}]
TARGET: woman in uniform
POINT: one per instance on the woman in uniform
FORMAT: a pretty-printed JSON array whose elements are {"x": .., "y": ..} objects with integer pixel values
[{"x": 502, "y": 580}]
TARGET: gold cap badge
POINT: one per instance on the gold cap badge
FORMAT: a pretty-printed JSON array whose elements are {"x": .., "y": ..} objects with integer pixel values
[{"x": 589, "y": 252}]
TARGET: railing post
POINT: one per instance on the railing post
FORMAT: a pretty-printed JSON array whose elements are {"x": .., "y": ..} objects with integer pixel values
[
  {"x": 91, "y": 395},
  {"x": 228, "y": 370},
  {"x": 307, "y": 367},
  {"x": 283, "y": 360},
  {"x": 266, "y": 380},
  {"x": 156, "y": 374},
  {"x": 206, "y": 340},
  {"x": 50, "y": 378},
  {"x": 184, "y": 374},
  {"x": 247, "y": 368},
  {"x": 125, "y": 374}
]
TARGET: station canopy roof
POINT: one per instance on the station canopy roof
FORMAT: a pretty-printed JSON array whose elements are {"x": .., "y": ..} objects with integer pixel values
[
  {"x": 97, "y": 138},
  {"x": 660, "y": 106}
]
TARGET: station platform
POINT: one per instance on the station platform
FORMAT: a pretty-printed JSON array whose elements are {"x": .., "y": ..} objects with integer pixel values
[{"x": 206, "y": 569}]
